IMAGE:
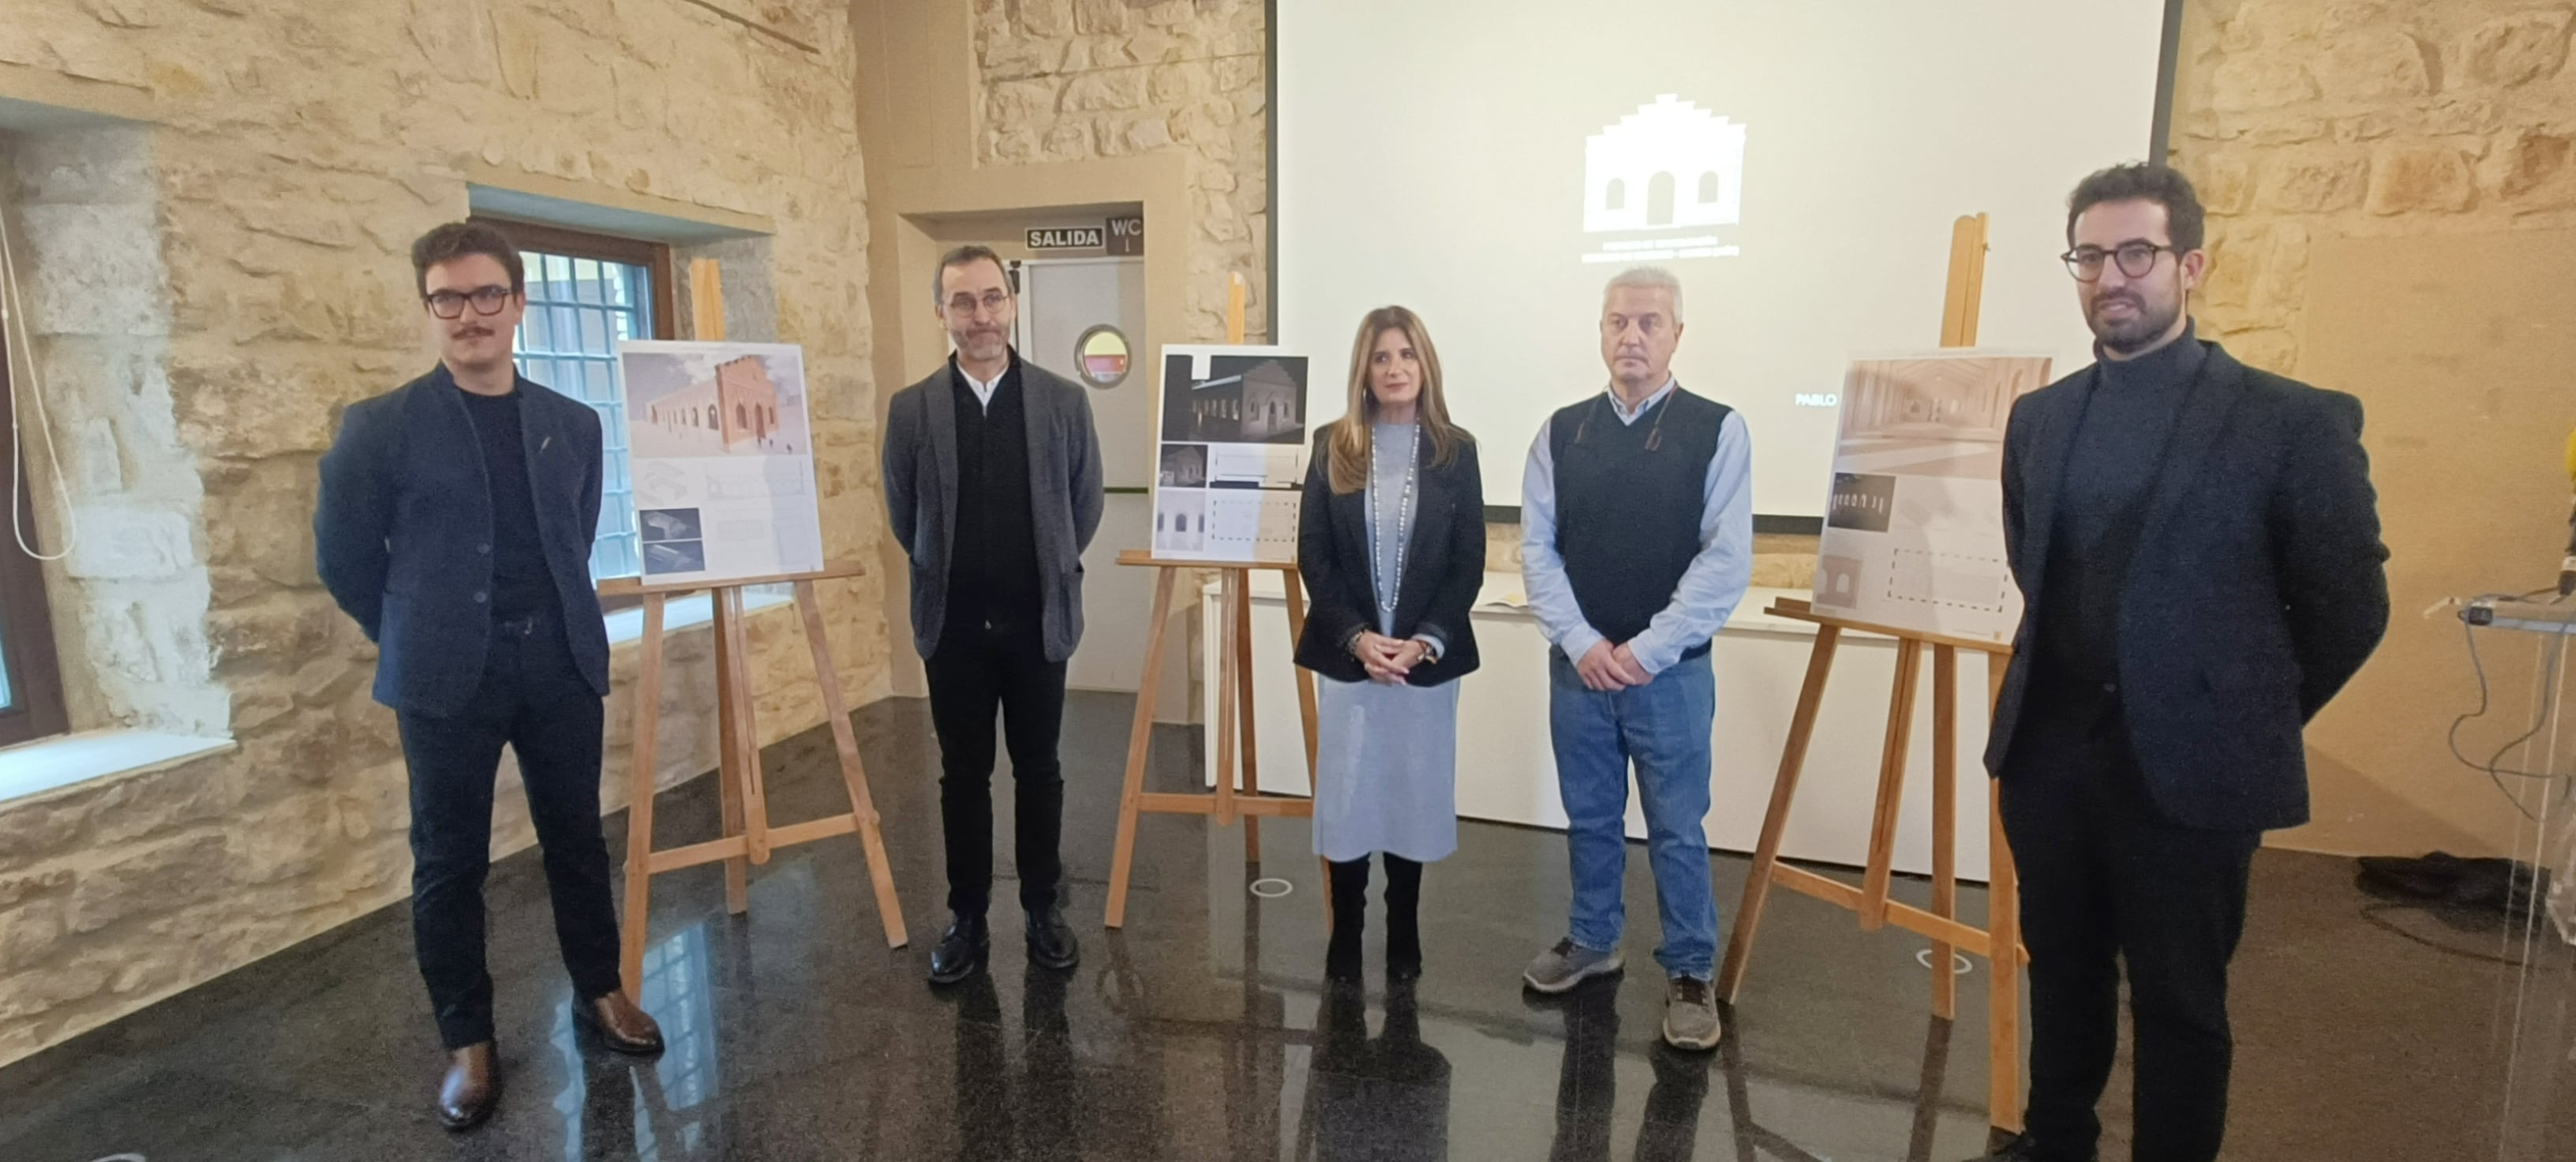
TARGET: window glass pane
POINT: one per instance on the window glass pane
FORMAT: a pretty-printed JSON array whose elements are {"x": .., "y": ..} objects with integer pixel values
[
  {"x": 585, "y": 279},
  {"x": 578, "y": 309},
  {"x": 533, "y": 332},
  {"x": 7, "y": 699}
]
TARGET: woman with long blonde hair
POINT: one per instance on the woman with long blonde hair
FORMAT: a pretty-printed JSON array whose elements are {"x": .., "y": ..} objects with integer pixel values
[{"x": 1391, "y": 543}]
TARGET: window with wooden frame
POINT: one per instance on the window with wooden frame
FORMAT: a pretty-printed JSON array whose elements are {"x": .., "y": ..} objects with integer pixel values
[
  {"x": 586, "y": 292},
  {"x": 31, "y": 682}
]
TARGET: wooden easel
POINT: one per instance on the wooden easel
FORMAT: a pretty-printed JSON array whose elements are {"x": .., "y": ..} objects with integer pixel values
[
  {"x": 1870, "y": 900},
  {"x": 748, "y": 837},
  {"x": 1234, "y": 712}
]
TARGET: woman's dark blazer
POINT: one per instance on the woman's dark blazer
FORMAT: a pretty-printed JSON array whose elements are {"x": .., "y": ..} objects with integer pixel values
[{"x": 1443, "y": 567}]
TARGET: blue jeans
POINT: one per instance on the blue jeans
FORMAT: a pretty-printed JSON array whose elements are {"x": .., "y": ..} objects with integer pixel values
[{"x": 1663, "y": 726}]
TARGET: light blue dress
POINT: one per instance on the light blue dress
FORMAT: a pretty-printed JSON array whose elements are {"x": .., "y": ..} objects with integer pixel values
[{"x": 1386, "y": 757}]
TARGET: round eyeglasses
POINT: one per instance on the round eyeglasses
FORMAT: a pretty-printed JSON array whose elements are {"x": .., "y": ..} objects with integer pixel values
[{"x": 2134, "y": 259}]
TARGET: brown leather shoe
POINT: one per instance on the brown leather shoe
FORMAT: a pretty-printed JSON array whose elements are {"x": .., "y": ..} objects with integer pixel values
[
  {"x": 471, "y": 1088},
  {"x": 619, "y": 1024}
]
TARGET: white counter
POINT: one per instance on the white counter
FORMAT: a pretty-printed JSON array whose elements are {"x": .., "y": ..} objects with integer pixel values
[{"x": 1507, "y": 773}]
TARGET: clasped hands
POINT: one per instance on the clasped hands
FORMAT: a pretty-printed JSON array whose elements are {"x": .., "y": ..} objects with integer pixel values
[
  {"x": 1387, "y": 659},
  {"x": 1606, "y": 667}
]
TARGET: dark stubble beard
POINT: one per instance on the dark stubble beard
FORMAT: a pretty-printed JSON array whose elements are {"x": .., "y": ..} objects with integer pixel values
[{"x": 2143, "y": 330}]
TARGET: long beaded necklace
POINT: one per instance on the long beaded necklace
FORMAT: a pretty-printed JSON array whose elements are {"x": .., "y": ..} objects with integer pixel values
[{"x": 1386, "y": 597}]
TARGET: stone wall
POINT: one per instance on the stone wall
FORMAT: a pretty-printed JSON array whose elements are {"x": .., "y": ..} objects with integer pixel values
[
  {"x": 209, "y": 288},
  {"x": 2301, "y": 118},
  {"x": 1069, "y": 80}
]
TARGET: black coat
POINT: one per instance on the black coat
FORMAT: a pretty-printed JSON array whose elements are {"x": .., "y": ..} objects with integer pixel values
[
  {"x": 402, "y": 534},
  {"x": 1444, "y": 566},
  {"x": 2258, "y": 588}
]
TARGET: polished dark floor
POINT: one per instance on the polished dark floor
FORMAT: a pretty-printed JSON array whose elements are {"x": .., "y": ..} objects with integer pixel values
[{"x": 1200, "y": 1031}]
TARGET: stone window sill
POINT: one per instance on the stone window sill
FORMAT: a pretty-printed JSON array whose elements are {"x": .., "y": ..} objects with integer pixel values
[
  {"x": 46, "y": 764},
  {"x": 626, "y": 626}
]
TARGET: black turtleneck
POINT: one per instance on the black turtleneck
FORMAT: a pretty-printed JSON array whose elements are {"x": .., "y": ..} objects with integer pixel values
[{"x": 2111, "y": 466}]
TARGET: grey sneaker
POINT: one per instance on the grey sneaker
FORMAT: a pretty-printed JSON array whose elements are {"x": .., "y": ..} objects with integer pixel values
[
  {"x": 1690, "y": 1015},
  {"x": 1568, "y": 964}
]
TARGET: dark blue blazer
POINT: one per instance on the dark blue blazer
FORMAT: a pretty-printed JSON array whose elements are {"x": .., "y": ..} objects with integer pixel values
[
  {"x": 403, "y": 534},
  {"x": 2258, "y": 588}
]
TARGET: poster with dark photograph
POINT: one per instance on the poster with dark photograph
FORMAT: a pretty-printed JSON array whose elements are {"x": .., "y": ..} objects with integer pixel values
[{"x": 1230, "y": 453}]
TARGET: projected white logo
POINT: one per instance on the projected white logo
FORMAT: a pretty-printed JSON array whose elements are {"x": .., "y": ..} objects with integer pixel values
[{"x": 1670, "y": 172}]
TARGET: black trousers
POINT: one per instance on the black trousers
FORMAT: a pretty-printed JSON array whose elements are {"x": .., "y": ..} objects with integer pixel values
[
  {"x": 534, "y": 699},
  {"x": 974, "y": 672},
  {"x": 2107, "y": 883}
]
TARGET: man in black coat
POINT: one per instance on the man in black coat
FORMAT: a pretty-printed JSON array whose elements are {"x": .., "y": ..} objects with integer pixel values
[
  {"x": 455, "y": 525},
  {"x": 2198, "y": 544}
]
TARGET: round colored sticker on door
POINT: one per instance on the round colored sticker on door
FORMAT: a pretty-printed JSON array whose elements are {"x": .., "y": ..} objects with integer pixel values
[{"x": 1102, "y": 355}]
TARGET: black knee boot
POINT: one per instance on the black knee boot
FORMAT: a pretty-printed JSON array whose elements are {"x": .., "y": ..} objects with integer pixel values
[
  {"x": 1350, "y": 918},
  {"x": 1403, "y": 918}
]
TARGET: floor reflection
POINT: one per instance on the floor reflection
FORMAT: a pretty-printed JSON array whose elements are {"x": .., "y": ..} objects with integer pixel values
[{"x": 1203, "y": 1032}]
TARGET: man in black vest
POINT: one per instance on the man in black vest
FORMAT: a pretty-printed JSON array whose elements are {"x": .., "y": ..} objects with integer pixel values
[
  {"x": 2198, "y": 545},
  {"x": 992, "y": 481},
  {"x": 1636, "y": 545},
  {"x": 455, "y": 525}
]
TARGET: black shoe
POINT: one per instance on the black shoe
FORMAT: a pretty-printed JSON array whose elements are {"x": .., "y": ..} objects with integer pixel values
[
  {"x": 2024, "y": 1148},
  {"x": 961, "y": 950},
  {"x": 1051, "y": 943}
]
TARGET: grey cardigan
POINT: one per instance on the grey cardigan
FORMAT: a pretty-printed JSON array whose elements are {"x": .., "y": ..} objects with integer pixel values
[{"x": 920, "y": 463}]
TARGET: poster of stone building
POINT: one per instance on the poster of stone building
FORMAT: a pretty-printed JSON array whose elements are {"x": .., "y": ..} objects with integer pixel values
[
  {"x": 1914, "y": 529},
  {"x": 1230, "y": 453},
  {"x": 720, "y": 460}
]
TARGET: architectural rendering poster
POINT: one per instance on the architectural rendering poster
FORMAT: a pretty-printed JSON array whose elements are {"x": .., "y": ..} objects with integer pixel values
[
  {"x": 721, "y": 457},
  {"x": 1914, "y": 529},
  {"x": 1230, "y": 454}
]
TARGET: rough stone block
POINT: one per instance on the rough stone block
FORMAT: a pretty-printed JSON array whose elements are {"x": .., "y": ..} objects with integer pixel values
[
  {"x": 2378, "y": 65},
  {"x": 521, "y": 42},
  {"x": 2531, "y": 160},
  {"x": 1013, "y": 104},
  {"x": 1100, "y": 16},
  {"x": 94, "y": 270},
  {"x": 2260, "y": 82},
  {"x": 2421, "y": 178},
  {"x": 143, "y": 805},
  {"x": 2311, "y": 181},
  {"x": 29, "y": 933},
  {"x": 1046, "y": 18},
  {"x": 158, "y": 877},
  {"x": 1103, "y": 91},
  {"x": 2516, "y": 49},
  {"x": 127, "y": 542},
  {"x": 289, "y": 626}
]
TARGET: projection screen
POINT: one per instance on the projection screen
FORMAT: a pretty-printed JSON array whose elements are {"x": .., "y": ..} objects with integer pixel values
[{"x": 1490, "y": 163}]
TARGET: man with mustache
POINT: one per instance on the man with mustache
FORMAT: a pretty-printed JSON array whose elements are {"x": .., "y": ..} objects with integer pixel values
[
  {"x": 992, "y": 485},
  {"x": 455, "y": 525},
  {"x": 1636, "y": 545},
  {"x": 2198, "y": 544}
]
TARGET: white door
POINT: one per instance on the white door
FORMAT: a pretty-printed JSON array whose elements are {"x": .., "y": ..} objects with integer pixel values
[{"x": 1084, "y": 319}]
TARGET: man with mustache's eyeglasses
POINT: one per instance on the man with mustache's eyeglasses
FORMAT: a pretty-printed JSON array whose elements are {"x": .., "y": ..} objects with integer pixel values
[{"x": 455, "y": 525}]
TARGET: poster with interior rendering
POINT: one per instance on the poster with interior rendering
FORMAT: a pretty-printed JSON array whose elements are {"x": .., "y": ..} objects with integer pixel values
[
  {"x": 1230, "y": 454},
  {"x": 1914, "y": 527},
  {"x": 720, "y": 454}
]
